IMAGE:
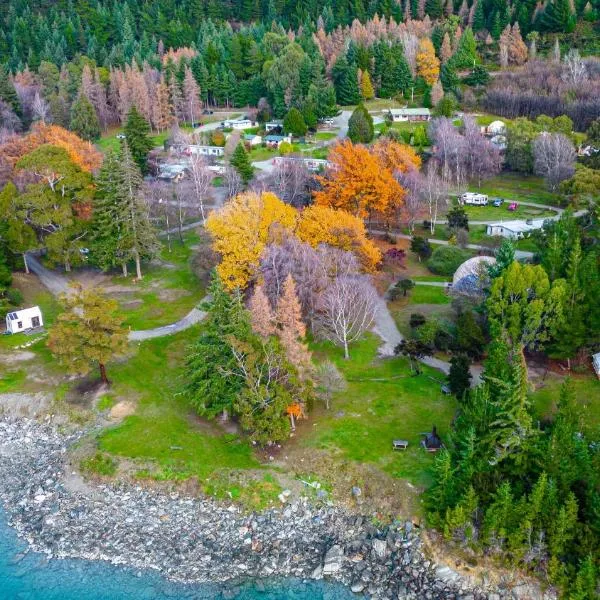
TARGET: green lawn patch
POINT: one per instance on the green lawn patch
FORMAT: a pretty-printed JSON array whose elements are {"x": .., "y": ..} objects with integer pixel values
[
  {"x": 493, "y": 213},
  {"x": 382, "y": 402},
  {"x": 428, "y": 294},
  {"x": 431, "y": 278},
  {"x": 109, "y": 140},
  {"x": 325, "y": 135},
  {"x": 261, "y": 153},
  {"x": 11, "y": 380},
  {"x": 519, "y": 187},
  {"x": 99, "y": 464},
  {"x": 164, "y": 432}
]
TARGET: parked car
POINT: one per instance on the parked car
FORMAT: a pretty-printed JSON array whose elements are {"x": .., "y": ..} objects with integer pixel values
[
  {"x": 498, "y": 202},
  {"x": 206, "y": 111},
  {"x": 121, "y": 136},
  {"x": 513, "y": 206}
]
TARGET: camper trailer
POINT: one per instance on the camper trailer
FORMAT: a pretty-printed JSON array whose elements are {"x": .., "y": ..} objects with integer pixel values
[
  {"x": 473, "y": 199},
  {"x": 22, "y": 320}
]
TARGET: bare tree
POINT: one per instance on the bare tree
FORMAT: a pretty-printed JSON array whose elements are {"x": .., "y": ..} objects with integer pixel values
[
  {"x": 412, "y": 208},
  {"x": 553, "y": 158},
  {"x": 233, "y": 181},
  {"x": 290, "y": 180},
  {"x": 329, "y": 381},
  {"x": 40, "y": 108},
  {"x": 201, "y": 178},
  {"x": 347, "y": 310},
  {"x": 481, "y": 158},
  {"x": 575, "y": 70},
  {"x": 435, "y": 194}
]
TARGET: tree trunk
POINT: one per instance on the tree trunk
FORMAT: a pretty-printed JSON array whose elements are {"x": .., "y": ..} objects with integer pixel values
[
  {"x": 225, "y": 416},
  {"x": 67, "y": 266},
  {"x": 346, "y": 353},
  {"x": 292, "y": 422},
  {"x": 124, "y": 266},
  {"x": 25, "y": 263},
  {"x": 138, "y": 266},
  {"x": 103, "y": 373}
]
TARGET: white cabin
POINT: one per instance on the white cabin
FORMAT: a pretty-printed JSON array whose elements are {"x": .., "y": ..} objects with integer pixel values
[
  {"x": 204, "y": 150},
  {"x": 22, "y": 320},
  {"x": 473, "y": 199},
  {"x": 238, "y": 124},
  {"x": 514, "y": 230},
  {"x": 410, "y": 114}
]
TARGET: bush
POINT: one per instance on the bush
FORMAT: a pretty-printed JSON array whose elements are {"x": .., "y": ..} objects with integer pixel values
[
  {"x": 99, "y": 464},
  {"x": 416, "y": 320},
  {"x": 446, "y": 259},
  {"x": 14, "y": 297}
]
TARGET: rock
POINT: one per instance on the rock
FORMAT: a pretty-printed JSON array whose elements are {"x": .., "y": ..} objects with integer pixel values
[
  {"x": 318, "y": 572},
  {"x": 446, "y": 574},
  {"x": 357, "y": 587},
  {"x": 380, "y": 548},
  {"x": 333, "y": 560}
]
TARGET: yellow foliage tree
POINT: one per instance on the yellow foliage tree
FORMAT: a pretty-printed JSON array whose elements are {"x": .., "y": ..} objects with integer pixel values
[
  {"x": 395, "y": 156},
  {"x": 428, "y": 65},
  {"x": 366, "y": 87},
  {"x": 358, "y": 182},
  {"x": 242, "y": 229},
  {"x": 324, "y": 225}
]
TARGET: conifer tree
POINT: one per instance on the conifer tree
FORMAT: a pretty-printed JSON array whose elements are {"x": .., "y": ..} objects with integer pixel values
[
  {"x": 459, "y": 377},
  {"x": 360, "y": 126},
  {"x": 8, "y": 93},
  {"x": 138, "y": 141},
  {"x": 346, "y": 82},
  {"x": 261, "y": 313},
  {"x": 240, "y": 161},
  {"x": 84, "y": 119},
  {"x": 366, "y": 87}
]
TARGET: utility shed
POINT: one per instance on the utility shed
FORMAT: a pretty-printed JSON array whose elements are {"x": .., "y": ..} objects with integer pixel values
[{"x": 22, "y": 320}]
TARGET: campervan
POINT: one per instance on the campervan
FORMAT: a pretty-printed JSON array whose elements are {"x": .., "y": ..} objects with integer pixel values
[{"x": 473, "y": 199}]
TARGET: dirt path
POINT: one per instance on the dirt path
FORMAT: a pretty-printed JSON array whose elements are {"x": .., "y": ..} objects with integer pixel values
[{"x": 59, "y": 284}]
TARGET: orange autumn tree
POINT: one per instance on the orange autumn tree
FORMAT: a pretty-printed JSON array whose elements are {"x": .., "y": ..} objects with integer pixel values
[
  {"x": 82, "y": 153},
  {"x": 395, "y": 156},
  {"x": 358, "y": 182},
  {"x": 241, "y": 231},
  {"x": 338, "y": 228},
  {"x": 428, "y": 65}
]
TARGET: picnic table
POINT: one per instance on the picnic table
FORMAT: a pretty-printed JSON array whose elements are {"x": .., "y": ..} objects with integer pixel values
[{"x": 400, "y": 444}]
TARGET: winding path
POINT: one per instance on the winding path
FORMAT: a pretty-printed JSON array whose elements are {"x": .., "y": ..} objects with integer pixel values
[{"x": 59, "y": 284}]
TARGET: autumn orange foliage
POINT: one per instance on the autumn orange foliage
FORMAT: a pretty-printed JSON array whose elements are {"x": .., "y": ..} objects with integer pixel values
[
  {"x": 82, "y": 153},
  {"x": 243, "y": 228},
  {"x": 357, "y": 182},
  {"x": 395, "y": 156},
  {"x": 428, "y": 65}
]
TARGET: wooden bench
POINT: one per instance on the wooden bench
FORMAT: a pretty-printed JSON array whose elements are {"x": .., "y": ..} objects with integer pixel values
[{"x": 400, "y": 444}]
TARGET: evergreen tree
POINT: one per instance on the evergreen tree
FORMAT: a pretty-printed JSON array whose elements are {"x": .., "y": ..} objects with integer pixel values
[
  {"x": 505, "y": 256},
  {"x": 294, "y": 123},
  {"x": 366, "y": 87},
  {"x": 8, "y": 93},
  {"x": 138, "y": 141},
  {"x": 457, "y": 218},
  {"x": 345, "y": 81},
  {"x": 210, "y": 384},
  {"x": 557, "y": 16},
  {"x": 459, "y": 377},
  {"x": 84, "y": 119},
  {"x": 360, "y": 126},
  {"x": 240, "y": 161},
  {"x": 434, "y": 8}
]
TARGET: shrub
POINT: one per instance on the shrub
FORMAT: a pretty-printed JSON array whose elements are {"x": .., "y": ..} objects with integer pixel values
[
  {"x": 416, "y": 320},
  {"x": 99, "y": 464},
  {"x": 446, "y": 259},
  {"x": 395, "y": 256},
  {"x": 14, "y": 297}
]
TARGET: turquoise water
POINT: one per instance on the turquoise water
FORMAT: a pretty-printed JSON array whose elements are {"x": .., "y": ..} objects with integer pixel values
[{"x": 32, "y": 577}]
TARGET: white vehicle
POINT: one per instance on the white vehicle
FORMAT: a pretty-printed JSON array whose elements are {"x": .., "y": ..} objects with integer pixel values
[{"x": 473, "y": 199}]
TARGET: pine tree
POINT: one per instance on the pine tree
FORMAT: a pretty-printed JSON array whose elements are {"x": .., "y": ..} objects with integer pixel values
[
  {"x": 434, "y": 8},
  {"x": 294, "y": 123},
  {"x": 345, "y": 81},
  {"x": 8, "y": 92},
  {"x": 240, "y": 161},
  {"x": 459, "y": 376},
  {"x": 360, "y": 126},
  {"x": 209, "y": 381},
  {"x": 84, "y": 119},
  {"x": 138, "y": 141},
  {"x": 138, "y": 239},
  {"x": 505, "y": 256},
  {"x": 478, "y": 16}
]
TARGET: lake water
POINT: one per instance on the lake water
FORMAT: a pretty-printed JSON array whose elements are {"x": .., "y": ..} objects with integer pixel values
[{"x": 32, "y": 577}]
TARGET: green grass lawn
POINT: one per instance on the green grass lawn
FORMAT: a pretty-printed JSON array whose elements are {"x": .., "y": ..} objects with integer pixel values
[
  {"x": 167, "y": 291},
  {"x": 519, "y": 187},
  {"x": 487, "y": 119},
  {"x": 109, "y": 140},
  {"x": 431, "y": 278},
  {"x": 428, "y": 294},
  {"x": 493, "y": 213},
  {"x": 163, "y": 431},
  {"x": 260, "y": 153},
  {"x": 366, "y": 417},
  {"x": 325, "y": 135},
  {"x": 586, "y": 389}
]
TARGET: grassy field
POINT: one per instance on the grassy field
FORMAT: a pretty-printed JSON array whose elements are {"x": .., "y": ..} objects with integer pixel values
[
  {"x": 325, "y": 135},
  {"x": 366, "y": 417},
  {"x": 163, "y": 435},
  {"x": 109, "y": 140},
  {"x": 168, "y": 291},
  {"x": 519, "y": 187},
  {"x": 493, "y": 213}
]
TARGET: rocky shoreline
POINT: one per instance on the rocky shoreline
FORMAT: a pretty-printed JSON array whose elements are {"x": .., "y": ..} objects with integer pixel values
[{"x": 199, "y": 540}]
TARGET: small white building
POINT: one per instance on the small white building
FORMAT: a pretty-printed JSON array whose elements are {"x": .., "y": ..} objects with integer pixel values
[
  {"x": 312, "y": 164},
  {"x": 204, "y": 150},
  {"x": 238, "y": 124},
  {"x": 496, "y": 128},
  {"x": 473, "y": 199},
  {"x": 514, "y": 229},
  {"x": 253, "y": 139},
  {"x": 410, "y": 114},
  {"x": 22, "y": 320},
  {"x": 172, "y": 173}
]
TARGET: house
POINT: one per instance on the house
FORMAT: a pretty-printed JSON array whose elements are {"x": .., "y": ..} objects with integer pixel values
[
  {"x": 172, "y": 173},
  {"x": 274, "y": 141},
  {"x": 238, "y": 124},
  {"x": 204, "y": 150},
  {"x": 273, "y": 126},
  {"x": 495, "y": 128},
  {"x": 410, "y": 114},
  {"x": 473, "y": 199},
  {"x": 514, "y": 229},
  {"x": 22, "y": 320},
  {"x": 253, "y": 139},
  {"x": 312, "y": 164}
]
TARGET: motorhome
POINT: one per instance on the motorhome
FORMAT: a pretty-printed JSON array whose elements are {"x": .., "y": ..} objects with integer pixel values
[{"x": 473, "y": 199}]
